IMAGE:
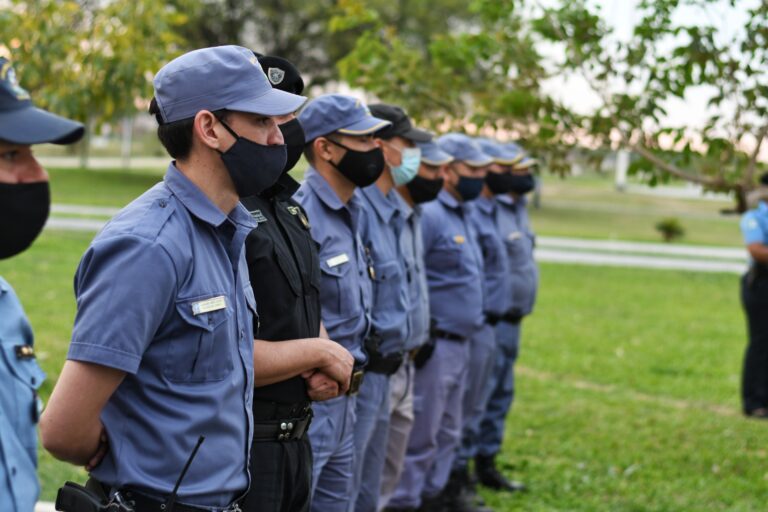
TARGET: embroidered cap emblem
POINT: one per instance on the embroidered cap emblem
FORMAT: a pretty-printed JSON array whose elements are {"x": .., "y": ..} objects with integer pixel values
[{"x": 275, "y": 75}]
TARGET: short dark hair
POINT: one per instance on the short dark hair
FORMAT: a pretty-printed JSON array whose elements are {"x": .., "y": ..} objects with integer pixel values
[
  {"x": 176, "y": 137},
  {"x": 309, "y": 147}
]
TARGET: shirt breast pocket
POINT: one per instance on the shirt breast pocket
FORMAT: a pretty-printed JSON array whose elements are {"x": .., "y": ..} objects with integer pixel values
[
  {"x": 202, "y": 350},
  {"x": 27, "y": 378},
  {"x": 493, "y": 252},
  {"x": 335, "y": 292},
  {"x": 387, "y": 283},
  {"x": 445, "y": 258}
]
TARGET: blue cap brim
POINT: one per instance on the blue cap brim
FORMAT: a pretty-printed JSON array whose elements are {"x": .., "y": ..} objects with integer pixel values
[
  {"x": 273, "y": 102},
  {"x": 31, "y": 125},
  {"x": 365, "y": 126},
  {"x": 477, "y": 159}
]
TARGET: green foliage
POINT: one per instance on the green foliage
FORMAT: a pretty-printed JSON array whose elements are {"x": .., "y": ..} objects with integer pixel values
[
  {"x": 486, "y": 74},
  {"x": 89, "y": 60},
  {"x": 670, "y": 229}
]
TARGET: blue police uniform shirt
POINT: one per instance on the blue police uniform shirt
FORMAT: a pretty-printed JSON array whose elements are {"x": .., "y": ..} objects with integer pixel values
[
  {"x": 519, "y": 239},
  {"x": 20, "y": 378},
  {"x": 345, "y": 287},
  {"x": 380, "y": 232},
  {"x": 754, "y": 225},
  {"x": 412, "y": 246},
  {"x": 163, "y": 294},
  {"x": 454, "y": 266},
  {"x": 497, "y": 281}
]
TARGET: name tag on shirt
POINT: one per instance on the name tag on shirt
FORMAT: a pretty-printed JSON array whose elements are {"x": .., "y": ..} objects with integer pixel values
[
  {"x": 208, "y": 305},
  {"x": 258, "y": 216},
  {"x": 459, "y": 239},
  {"x": 515, "y": 235},
  {"x": 337, "y": 260}
]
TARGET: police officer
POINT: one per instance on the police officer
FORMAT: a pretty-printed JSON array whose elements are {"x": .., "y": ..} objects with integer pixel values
[
  {"x": 381, "y": 233},
  {"x": 163, "y": 338},
  {"x": 754, "y": 296},
  {"x": 343, "y": 156},
  {"x": 285, "y": 274},
  {"x": 24, "y": 206},
  {"x": 497, "y": 296},
  {"x": 515, "y": 230},
  {"x": 423, "y": 188},
  {"x": 454, "y": 274}
]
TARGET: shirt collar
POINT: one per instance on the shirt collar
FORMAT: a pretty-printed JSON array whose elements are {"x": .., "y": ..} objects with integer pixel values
[
  {"x": 384, "y": 206},
  {"x": 200, "y": 205},
  {"x": 486, "y": 204},
  {"x": 762, "y": 207},
  {"x": 448, "y": 200},
  {"x": 323, "y": 190}
]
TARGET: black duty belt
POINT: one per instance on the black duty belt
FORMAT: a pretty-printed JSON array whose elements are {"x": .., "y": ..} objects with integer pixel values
[
  {"x": 143, "y": 503},
  {"x": 386, "y": 365},
  {"x": 139, "y": 501},
  {"x": 289, "y": 429},
  {"x": 447, "y": 335},
  {"x": 512, "y": 316},
  {"x": 265, "y": 411}
]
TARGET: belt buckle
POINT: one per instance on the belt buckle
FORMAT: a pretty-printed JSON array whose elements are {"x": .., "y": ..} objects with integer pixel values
[{"x": 355, "y": 382}]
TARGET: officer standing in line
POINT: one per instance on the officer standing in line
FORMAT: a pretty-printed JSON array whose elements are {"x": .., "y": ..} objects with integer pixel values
[
  {"x": 754, "y": 297},
  {"x": 24, "y": 205},
  {"x": 423, "y": 188},
  {"x": 163, "y": 336},
  {"x": 515, "y": 230},
  {"x": 343, "y": 156},
  {"x": 455, "y": 274},
  {"x": 483, "y": 345},
  {"x": 285, "y": 275},
  {"x": 381, "y": 233}
]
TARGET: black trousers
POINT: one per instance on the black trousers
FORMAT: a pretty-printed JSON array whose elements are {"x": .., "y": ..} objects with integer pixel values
[
  {"x": 281, "y": 477},
  {"x": 754, "y": 384}
]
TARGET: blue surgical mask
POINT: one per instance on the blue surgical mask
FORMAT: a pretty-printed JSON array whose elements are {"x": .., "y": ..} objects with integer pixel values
[{"x": 410, "y": 159}]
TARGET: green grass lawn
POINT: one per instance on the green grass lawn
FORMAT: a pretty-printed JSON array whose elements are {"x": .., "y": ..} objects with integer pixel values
[
  {"x": 627, "y": 389},
  {"x": 590, "y": 207}
]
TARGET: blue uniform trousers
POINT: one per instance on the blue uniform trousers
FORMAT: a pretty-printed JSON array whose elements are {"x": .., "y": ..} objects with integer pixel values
[
  {"x": 437, "y": 402},
  {"x": 371, "y": 427},
  {"x": 482, "y": 352},
  {"x": 502, "y": 390},
  {"x": 331, "y": 436}
]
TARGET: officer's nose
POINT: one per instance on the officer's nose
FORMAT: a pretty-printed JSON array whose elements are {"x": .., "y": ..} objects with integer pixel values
[{"x": 275, "y": 135}]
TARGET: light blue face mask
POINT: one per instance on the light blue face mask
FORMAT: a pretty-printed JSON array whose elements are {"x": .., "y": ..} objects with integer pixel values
[{"x": 410, "y": 159}]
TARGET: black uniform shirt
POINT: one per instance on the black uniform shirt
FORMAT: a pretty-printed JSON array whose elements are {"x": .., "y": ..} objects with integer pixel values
[{"x": 285, "y": 273}]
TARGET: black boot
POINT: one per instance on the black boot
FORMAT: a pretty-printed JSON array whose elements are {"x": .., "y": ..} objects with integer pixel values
[
  {"x": 459, "y": 496},
  {"x": 489, "y": 476},
  {"x": 432, "y": 504}
]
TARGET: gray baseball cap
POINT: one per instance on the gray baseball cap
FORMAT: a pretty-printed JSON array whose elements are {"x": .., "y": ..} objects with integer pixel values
[{"x": 222, "y": 77}]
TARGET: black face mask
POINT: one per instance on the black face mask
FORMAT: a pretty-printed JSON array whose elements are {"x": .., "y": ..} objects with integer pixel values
[
  {"x": 522, "y": 184},
  {"x": 293, "y": 135},
  {"x": 499, "y": 183},
  {"x": 362, "y": 168},
  {"x": 253, "y": 167},
  {"x": 423, "y": 190},
  {"x": 24, "y": 209}
]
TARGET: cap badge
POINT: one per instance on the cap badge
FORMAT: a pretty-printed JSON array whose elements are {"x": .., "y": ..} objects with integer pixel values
[
  {"x": 275, "y": 75},
  {"x": 7, "y": 74}
]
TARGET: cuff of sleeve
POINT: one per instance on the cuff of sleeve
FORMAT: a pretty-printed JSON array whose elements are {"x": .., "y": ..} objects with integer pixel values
[{"x": 104, "y": 356}]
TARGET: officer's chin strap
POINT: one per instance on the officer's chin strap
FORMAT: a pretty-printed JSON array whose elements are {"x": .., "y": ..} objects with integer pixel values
[{"x": 171, "y": 501}]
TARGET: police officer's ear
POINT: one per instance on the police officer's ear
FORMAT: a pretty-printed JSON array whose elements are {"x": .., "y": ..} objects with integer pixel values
[
  {"x": 448, "y": 175},
  {"x": 323, "y": 149},
  {"x": 209, "y": 132},
  {"x": 392, "y": 156}
]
